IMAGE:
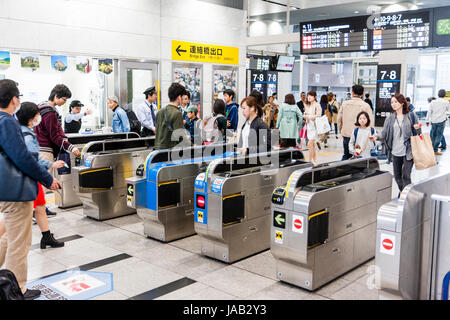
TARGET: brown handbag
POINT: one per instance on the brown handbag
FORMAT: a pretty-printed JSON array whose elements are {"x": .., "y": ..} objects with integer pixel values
[{"x": 423, "y": 152}]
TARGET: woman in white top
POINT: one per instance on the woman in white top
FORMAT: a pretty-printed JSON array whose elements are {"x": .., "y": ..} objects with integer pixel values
[{"x": 313, "y": 110}]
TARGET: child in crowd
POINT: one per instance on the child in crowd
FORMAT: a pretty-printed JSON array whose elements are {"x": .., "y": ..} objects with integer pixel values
[
  {"x": 191, "y": 122},
  {"x": 360, "y": 144}
]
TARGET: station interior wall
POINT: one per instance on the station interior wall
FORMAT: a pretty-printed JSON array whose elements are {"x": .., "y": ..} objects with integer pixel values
[{"x": 128, "y": 30}]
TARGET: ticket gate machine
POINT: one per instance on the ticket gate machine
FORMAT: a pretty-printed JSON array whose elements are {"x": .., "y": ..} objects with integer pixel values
[
  {"x": 324, "y": 220},
  {"x": 100, "y": 181},
  {"x": 65, "y": 197},
  {"x": 232, "y": 202},
  {"x": 163, "y": 194},
  {"x": 413, "y": 242}
]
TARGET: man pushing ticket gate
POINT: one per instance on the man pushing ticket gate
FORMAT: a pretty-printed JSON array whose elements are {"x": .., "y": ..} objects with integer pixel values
[
  {"x": 324, "y": 220},
  {"x": 413, "y": 242},
  {"x": 232, "y": 202},
  {"x": 100, "y": 180},
  {"x": 163, "y": 191}
]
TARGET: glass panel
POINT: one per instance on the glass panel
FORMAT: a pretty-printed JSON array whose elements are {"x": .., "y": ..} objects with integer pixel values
[
  {"x": 443, "y": 72},
  {"x": 427, "y": 71},
  {"x": 137, "y": 81},
  {"x": 421, "y": 105}
]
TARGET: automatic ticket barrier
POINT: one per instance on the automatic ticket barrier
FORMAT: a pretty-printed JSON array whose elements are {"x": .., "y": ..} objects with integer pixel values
[
  {"x": 66, "y": 198},
  {"x": 413, "y": 243},
  {"x": 324, "y": 220},
  {"x": 163, "y": 193},
  {"x": 100, "y": 181},
  {"x": 232, "y": 202}
]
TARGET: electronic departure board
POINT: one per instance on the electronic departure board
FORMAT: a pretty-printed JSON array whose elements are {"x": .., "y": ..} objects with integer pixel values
[
  {"x": 260, "y": 63},
  {"x": 402, "y": 30},
  {"x": 337, "y": 35}
]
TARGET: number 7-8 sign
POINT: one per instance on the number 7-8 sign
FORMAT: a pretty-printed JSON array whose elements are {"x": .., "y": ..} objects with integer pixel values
[{"x": 389, "y": 72}]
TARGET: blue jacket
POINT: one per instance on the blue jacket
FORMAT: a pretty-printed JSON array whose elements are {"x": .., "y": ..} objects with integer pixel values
[
  {"x": 232, "y": 112},
  {"x": 190, "y": 126},
  {"x": 33, "y": 146},
  {"x": 120, "y": 121},
  {"x": 13, "y": 144}
]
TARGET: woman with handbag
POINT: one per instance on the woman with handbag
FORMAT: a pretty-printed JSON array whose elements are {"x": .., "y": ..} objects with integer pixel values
[
  {"x": 313, "y": 110},
  {"x": 334, "y": 109},
  {"x": 398, "y": 129},
  {"x": 19, "y": 174}
]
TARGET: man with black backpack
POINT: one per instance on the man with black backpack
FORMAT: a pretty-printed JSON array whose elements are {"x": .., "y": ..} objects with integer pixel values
[{"x": 169, "y": 119}]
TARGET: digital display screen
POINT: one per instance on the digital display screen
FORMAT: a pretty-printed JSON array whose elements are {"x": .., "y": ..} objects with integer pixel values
[
  {"x": 337, "y": 35},
  {"x": 441, "y": 37},
  {"x": 259, "y": 63},
  {"x": 285, "y": 63},
  {"x": 388, "y": 84},
  {"x": 402, "y": 30}
]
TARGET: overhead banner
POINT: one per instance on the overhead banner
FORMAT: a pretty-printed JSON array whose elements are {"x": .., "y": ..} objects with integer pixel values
[{"x": 199, "y": 52}]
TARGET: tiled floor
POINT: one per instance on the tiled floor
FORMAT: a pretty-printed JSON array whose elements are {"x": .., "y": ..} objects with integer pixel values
[{"x": 153, "y": 265}]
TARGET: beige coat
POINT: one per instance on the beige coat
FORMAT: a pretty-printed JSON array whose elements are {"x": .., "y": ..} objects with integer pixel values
[
  {"x": 348, "y": 113},
  {"x": 334, "y": 119},
  {"x": 267, "y": 110}
]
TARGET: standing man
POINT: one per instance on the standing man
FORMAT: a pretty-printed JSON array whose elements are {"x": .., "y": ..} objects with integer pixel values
[
  {"x": 437, "y": 115},
  {"x": 231, "y": 110},
  {"x": 169, "y": 119},
  {"x": 368, "y": 101},
  {"x": 49, "y": 132},
  {"x": 120, "y": 121},
  {"x": 146, "y": 112},
  {"x": 302, "y": 102},
  {"x": 17, "y": 211},
  {"x": 185, "y": 103},
  {"x": 347, "y": 116}
]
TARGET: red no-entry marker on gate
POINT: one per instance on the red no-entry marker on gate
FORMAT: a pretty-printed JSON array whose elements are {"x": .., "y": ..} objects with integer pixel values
[
  {"x": 298, "y": 224},
  {"x": 388, "y": 244}
]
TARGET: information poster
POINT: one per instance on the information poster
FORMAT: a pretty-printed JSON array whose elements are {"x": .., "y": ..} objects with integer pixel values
[
  {"x": 59, "y": 63},
  {"x": 388, "y": 84},
  {"x": 224, "y": 80},
  {"x": 190, "y": 78},
  {"x": 5, "y": 58}
]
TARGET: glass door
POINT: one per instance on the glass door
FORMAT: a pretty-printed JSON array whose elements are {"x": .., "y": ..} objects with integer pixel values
[{"x": 134, "y": 78}]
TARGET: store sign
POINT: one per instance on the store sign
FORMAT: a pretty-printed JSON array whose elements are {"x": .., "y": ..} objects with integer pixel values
[{"x": 198, "y": 52}]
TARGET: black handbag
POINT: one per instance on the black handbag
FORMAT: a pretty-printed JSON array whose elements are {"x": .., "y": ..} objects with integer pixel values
[
  {"x": 64, "y": 156},
  {"x": 9, "y": 287},
  {"x": 15, "y": 185}
]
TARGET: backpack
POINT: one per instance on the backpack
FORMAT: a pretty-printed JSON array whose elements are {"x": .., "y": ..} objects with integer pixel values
[
  {"x": 135, "y": 125},
  {"x": 9, "y": 287},
  {"x": 209, "y": 128}
]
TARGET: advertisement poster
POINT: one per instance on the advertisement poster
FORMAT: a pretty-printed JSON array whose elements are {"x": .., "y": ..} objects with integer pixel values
[
  {"x": 5, "y": 58},
  {"x": 59, "y": 63},
  {"x": 190, "y": 78},
  {"x": 29, "y": 60},
  {"x": 83, "y": 64},
  {"x": 105, "y": 65},
  {"x": 224, "y": 80}
]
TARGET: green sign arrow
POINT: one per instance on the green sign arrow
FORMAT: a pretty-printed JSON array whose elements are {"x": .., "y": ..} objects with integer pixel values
[
  {"x": 280, "y": 220},
  {"x": 130, "y": 190}
]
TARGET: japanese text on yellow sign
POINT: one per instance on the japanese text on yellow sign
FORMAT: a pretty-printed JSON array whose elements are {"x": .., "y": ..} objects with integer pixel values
[{"x": 197, "y": 52}]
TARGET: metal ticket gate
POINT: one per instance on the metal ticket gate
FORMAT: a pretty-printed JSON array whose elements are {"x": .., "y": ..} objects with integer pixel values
[
  {"x": 413, "y": 242},
  {"x": 232, "y": 202},
  {"x": 65, "y": 197},
  {"x": 163, "y": 193},
  {"x": 100, "y": 181},
  {"x": 324, "y": 220}
]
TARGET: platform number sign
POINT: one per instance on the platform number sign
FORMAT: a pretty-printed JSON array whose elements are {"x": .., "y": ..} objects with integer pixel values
[{"x": 388, "y": 84}]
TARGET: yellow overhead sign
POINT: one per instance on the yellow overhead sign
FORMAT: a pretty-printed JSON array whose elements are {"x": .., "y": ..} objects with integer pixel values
[{"x": 199, "y": 52}]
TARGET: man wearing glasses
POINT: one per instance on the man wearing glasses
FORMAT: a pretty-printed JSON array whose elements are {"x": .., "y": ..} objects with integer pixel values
[{"x": 49, "y": 132}]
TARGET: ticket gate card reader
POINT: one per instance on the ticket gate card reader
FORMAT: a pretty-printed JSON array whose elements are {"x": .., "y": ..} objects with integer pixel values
[
  {"x": 65, "y": 197},
  {"x": 329, "y": 220},
  {"x": 413, "y": 242},
  {"x": 232, "y": 203},
  {"x": 100, "y": 181},
  {"x": 163, "y": 191}
]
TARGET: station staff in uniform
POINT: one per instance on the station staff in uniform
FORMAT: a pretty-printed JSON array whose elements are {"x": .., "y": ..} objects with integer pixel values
[
  {"x": 72, "y": 123},
  {"x": 146, "y": 112}
]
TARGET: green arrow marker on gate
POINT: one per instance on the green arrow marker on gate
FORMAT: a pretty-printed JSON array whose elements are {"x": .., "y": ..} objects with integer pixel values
[
  {"x": 279, "y": 219},
  {"x": 130, "y": 190}
]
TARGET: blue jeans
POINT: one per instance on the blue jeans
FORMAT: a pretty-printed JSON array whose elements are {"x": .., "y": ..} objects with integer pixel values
[
  {"x": 443, "y": 142},
  {"x": 437, "y": 134}
]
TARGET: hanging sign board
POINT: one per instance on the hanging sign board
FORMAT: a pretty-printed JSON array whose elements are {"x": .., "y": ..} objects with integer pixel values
[{"x": 199, "y": 52}]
